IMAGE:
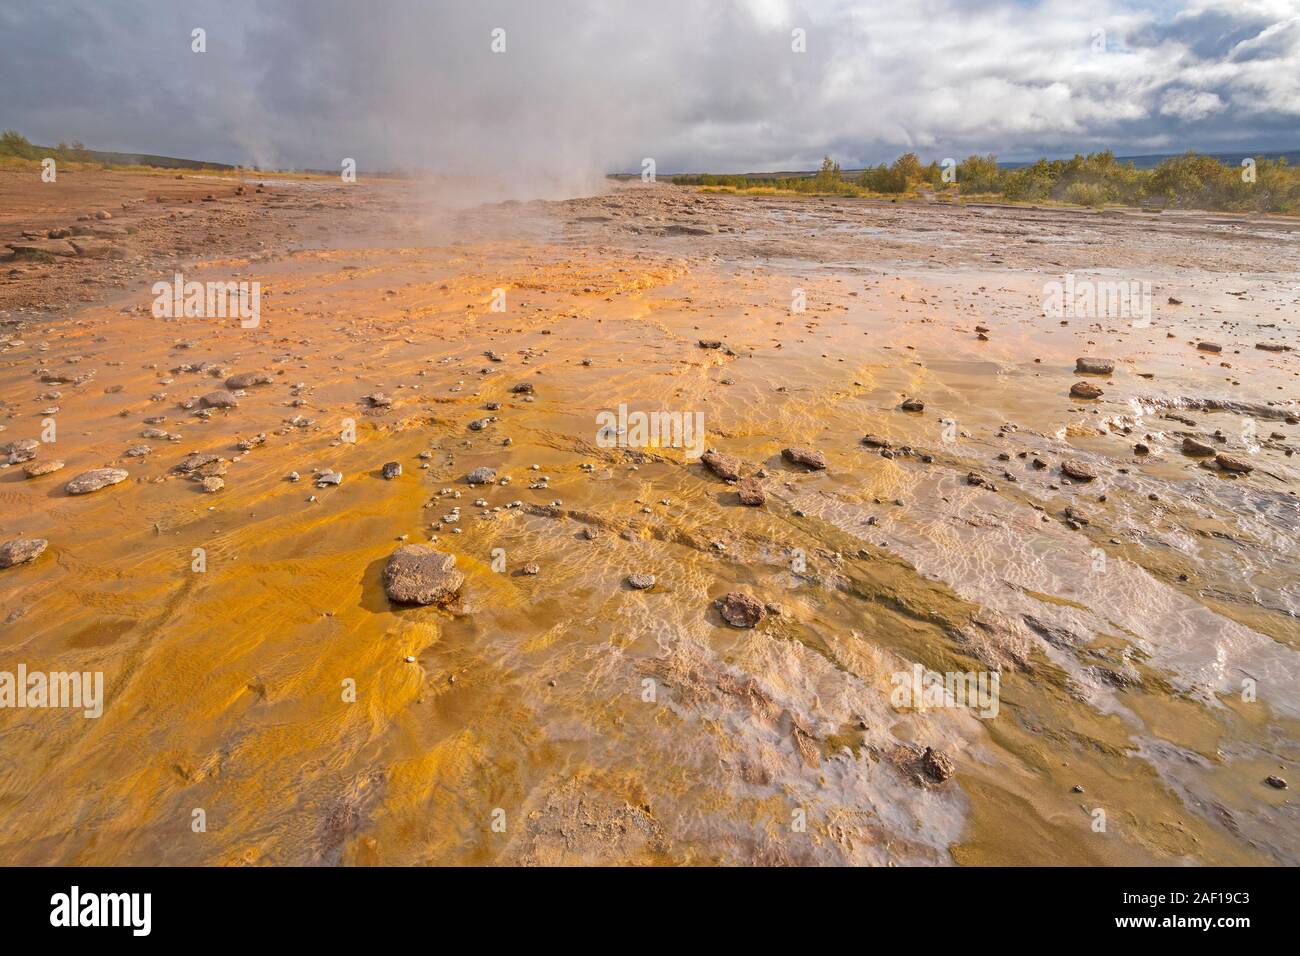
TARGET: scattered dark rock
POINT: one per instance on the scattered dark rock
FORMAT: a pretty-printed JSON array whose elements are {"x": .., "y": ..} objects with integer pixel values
[
  {"x": 38, "y": 468},
  {"x": 24, "y": 449},
  {"x": 1093, "y": 366},
  {"x": 21, "y": 550},
  {"x": 1233, "y": 463},
  {"x": 392, "y": 469},
  {"x": 751, "y": 493},
  {"x": 641, "y": 581},
  {"x": 95, "y": 479},
  {"x": 740, "y": 609},
  {"x": 1085, "y": 390},
  {"x": 39, "y": 248},
  {"x": 808, "y": 457},
  {"x": 196, "y": 461},
  {"x": 936, "y": 765},
  {"x": 723, "y": 465},
  {"x": 1078, "y": 470},
  {"x": 219, "y": 399},
  {"x": 248, "y": 380}
]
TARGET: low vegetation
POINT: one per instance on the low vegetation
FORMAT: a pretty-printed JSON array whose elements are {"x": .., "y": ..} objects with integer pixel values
[
  {"x": 16, "y": 146},
  {"x": 1190, "y": 181},
  {"x": 16, "y": 150}
]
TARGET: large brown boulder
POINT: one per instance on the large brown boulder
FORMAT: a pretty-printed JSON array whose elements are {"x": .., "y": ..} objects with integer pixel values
[{"x": 421, "y": 574}]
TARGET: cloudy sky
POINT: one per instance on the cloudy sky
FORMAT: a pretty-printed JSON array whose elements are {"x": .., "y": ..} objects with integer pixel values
[{"x": 695, "y": 84}]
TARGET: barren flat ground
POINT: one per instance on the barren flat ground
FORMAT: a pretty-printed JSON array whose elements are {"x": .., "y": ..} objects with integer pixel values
[{"x": 1127, "y": 564}]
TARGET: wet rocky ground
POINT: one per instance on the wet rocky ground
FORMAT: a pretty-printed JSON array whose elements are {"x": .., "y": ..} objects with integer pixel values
[{"x": 368, "y": 585}]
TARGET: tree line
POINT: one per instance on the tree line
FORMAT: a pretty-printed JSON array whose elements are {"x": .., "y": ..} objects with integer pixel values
[{"x": 1190, "y": 181}]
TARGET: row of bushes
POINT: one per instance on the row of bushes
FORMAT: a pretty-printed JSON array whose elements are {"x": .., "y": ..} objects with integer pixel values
[{"x": 1190, "y": 181}]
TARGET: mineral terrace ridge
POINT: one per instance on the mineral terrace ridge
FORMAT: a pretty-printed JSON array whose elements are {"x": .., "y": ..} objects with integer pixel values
[{"x": 627, "y": 654}]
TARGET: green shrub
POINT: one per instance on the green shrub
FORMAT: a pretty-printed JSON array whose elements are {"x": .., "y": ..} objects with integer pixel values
[
  {"x": 1086, "y": 194},
  {"x": 979, "y": 174},
  {"x": 14, "y": 144},
  {"x": 1029, "y": 183}
]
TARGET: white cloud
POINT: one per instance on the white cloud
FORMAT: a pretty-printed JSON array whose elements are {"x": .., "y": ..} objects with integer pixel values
[{"x": 1190, "y": 105}]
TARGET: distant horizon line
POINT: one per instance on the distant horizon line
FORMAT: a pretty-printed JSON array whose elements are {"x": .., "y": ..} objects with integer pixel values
[{"x": 1009, "y": 164}]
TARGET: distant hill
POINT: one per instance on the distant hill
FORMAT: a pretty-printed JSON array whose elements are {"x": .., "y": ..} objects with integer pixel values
[
  {"x": 138, "y": 159},
  {"x": 1152, "y": 160},
  {"x": 14, "y": 144}
]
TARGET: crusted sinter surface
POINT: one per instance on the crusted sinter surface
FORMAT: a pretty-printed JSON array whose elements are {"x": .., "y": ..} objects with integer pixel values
[{"x": 973, "y": 628}]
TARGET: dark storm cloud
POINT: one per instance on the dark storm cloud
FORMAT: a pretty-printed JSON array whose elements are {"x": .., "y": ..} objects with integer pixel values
[{"x": 594, "y": 85}]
